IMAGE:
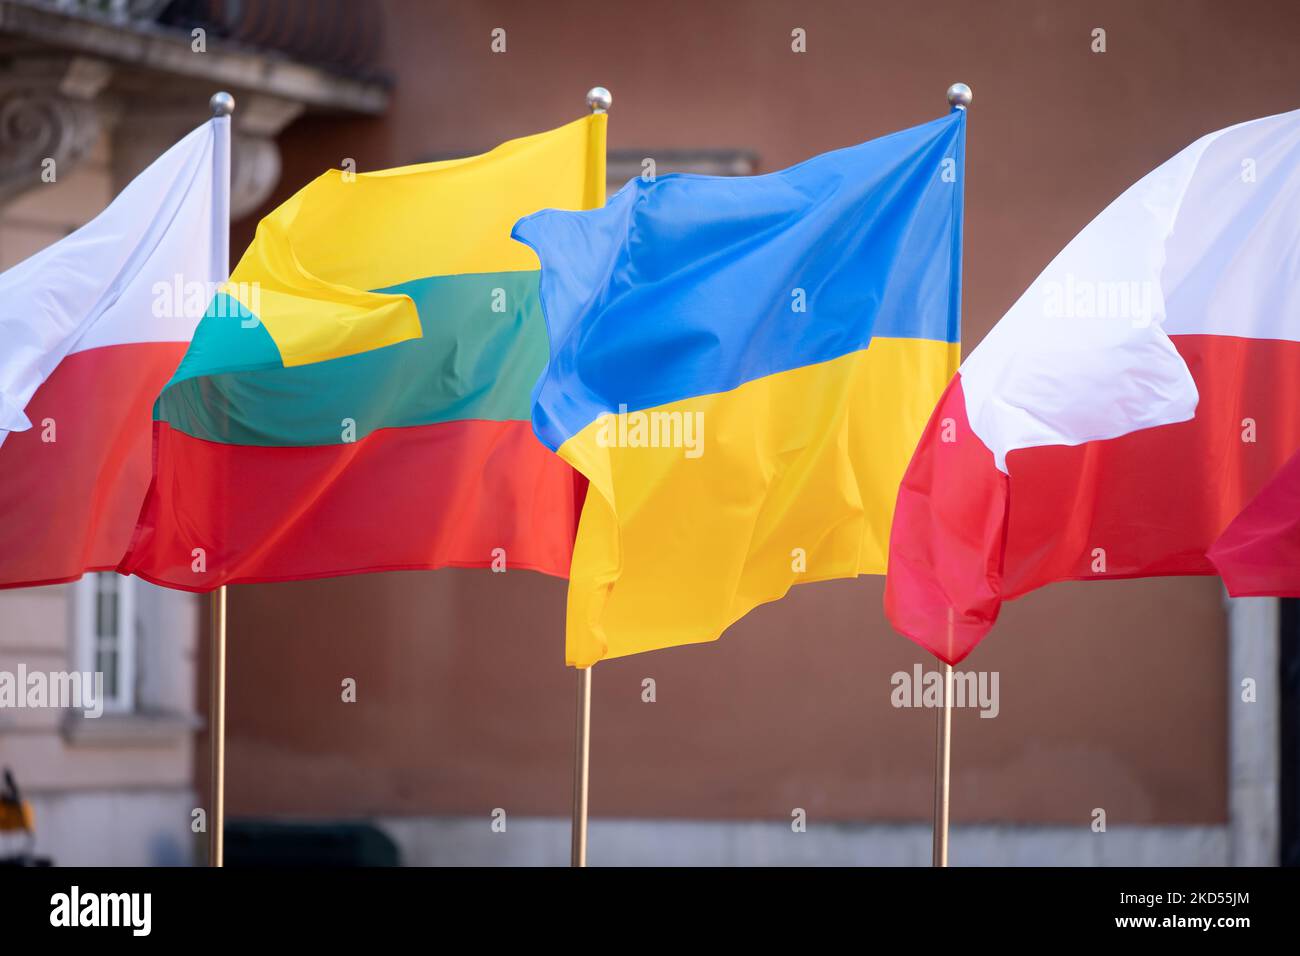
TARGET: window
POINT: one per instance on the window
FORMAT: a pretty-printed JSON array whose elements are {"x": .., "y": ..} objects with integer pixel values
[
  {"x": 104, "y": 619},
  {"x": 624, "y": 164}
]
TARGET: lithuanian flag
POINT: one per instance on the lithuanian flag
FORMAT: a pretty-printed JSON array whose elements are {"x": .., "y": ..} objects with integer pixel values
[{"x": 357, "y": 397}]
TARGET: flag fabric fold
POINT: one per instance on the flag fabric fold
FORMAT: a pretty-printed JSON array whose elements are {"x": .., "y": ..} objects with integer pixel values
[
  {"x": 90, "y": 329},
  {"x": 1133, "y": 400},
  {"x": 741, "y": 368},
  {"x": 357, "y": 396},
  {"x": 1258, "y": 555}
]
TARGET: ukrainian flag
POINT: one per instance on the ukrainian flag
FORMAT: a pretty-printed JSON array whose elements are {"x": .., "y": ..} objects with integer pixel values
[{"x": 742, "y": 368}]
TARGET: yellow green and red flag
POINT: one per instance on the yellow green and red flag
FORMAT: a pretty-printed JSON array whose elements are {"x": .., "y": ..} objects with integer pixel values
[{"x": 357, "y": 397}]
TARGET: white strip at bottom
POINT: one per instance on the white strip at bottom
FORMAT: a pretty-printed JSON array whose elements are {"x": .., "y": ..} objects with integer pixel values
[{"x": 533, "y": 841}]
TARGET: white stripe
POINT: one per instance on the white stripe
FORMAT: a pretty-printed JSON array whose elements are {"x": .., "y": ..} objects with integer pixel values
[
  {"x": 1234, "y": 256},
  {"x": 115, "y": 280},
  {"x": 1085, "y": 354}
]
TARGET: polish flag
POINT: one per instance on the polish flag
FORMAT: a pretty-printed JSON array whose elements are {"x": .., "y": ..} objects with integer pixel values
[
  {"x": 91, "y": 328},
  {"x": 1135, "y": 399}
]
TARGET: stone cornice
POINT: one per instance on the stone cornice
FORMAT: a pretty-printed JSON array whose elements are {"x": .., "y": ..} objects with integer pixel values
[{"x": 145, "y": 46}]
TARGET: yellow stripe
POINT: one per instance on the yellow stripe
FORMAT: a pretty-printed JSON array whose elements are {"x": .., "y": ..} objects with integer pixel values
[
  {"x": 315, "y": 259},
  {"x": 672, "y": 549}
]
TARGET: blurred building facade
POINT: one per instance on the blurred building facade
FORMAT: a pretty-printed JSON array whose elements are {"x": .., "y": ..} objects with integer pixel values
[
  {"x": 101, "y": 90},
  {"x": 1119, "y": 702}
]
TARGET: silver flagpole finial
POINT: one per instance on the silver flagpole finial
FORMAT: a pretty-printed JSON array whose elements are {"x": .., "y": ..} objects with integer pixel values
[
  {"x": 959, "y": 96},
  {"x": 599, "y": 99},
  {"x": 223, "y": 104}
]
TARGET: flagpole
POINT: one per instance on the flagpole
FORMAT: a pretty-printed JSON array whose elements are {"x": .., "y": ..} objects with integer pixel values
[
  {"x": 959, "y": 98},
  {"x": 599, "y": 100},
  {"x": 942, "y": 768},
  {"x": 581, "y": 770},
  {"x": 217, "y": 728},
  {"x": 222, "y": 105}
]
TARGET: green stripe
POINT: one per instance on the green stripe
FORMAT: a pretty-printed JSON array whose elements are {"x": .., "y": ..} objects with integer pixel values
[
  {"x": 472, "y": 362},
  {"x": 229, "y": 337}
]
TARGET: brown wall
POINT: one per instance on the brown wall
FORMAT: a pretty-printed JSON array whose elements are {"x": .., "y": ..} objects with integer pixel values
[{"x": 1113, "y": 695}]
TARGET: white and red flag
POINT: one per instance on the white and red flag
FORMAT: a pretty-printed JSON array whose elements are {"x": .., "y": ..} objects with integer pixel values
[
  {"x": 1138, "y": 396},
  {"x": 91, "y": 328}
]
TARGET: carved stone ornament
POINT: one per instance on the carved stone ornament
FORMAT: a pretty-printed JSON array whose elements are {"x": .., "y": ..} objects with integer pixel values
[{"x": 48, "y": 118}]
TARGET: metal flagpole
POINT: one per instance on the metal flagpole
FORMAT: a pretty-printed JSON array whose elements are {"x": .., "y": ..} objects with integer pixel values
[
  {"x": 599, "y": 100},
  {"x": 942, "y": 766},
  {"x": 217, "y": 728},
  {"x": 581, "y": 770},
  {"x": 959, "y": 98},
  {"x": 223, "y": 105}
]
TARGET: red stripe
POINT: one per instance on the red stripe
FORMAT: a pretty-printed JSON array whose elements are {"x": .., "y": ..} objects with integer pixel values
[
  {"x": 69, "y": 505},
  {"x": 1150, "y": 503},
  {"x": 945, "y": 546},
  {"x": 425, "y": 497},
  {"x": 1259, "y": 553}
]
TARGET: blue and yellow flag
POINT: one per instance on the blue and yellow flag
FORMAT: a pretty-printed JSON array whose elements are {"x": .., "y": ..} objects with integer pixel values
[{"x": 742, "y": 368}]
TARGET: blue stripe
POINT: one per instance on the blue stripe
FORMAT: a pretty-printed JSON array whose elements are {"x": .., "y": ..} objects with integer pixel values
[{"x": 692, "y": 285}]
